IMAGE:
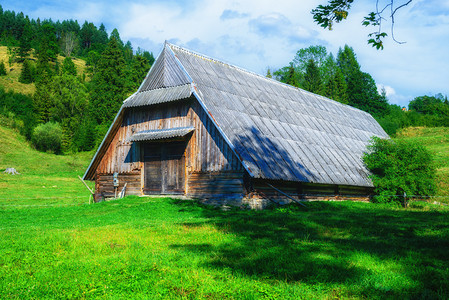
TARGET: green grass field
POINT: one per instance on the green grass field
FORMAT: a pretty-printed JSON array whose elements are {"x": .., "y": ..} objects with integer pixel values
[
  {"x": 54, "y": 245},
  {"x": 44, "y": 178},
  {"x": 171, "y": 249}
]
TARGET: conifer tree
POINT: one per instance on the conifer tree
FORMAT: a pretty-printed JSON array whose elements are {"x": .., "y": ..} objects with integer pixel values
[
  {"x": 349, "y": 66},
  {"x": 128, "y": 52},
  {"x": 136, "y": 71},
  {"x": 42, "y": 99},
  {"x": 26, "y": 76},
  {"x": 102, "y": 35},
  {"x": 87, "y": 35},
  {"x": 312, "y": 79},
  {"x": 25, "y": 40},
  {"x": 291, "y": 77},
  {"x": 68, "y": 67},
  {"x": 375, "y": 104},
  {"x": 48, "y": 46},
  {"x": 2, "y": 68},
  {"x": 69, "y": 105},
  {"x": 108, "y": 85},
  {"x": 361, "y": 87},
  {"x": 269, "y": 73},
  {"x": 336, "y": 87}
]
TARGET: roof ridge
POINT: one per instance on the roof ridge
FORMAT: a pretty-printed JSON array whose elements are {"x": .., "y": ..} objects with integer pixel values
[{"x": 191, "y": 52}]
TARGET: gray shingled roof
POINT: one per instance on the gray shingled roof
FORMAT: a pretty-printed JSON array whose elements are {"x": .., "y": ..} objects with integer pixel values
[
  {"x": 282, "y": 132},
  {"x": 158, "y": 134},
  {"x": 160, "y": 95},
  {"x": 277, "y": 131}
]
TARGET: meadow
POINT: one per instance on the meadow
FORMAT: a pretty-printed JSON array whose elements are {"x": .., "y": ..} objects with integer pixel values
[
  {"x": 14, "y": 69},
  {"x": 54, "y": 245}
]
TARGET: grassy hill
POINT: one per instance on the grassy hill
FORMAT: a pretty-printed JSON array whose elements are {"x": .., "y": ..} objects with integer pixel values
[
  {"x": 437, "y": 141},
  {"x": 44, "y": 178},
  {"x": 11, "y": 80}
]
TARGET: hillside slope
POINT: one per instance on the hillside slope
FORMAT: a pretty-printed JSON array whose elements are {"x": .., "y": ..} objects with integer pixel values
[
  {"x": 437, "y": 141},
  {"x": 11, "y": 80},
  {"x": 44, "y": 177}
]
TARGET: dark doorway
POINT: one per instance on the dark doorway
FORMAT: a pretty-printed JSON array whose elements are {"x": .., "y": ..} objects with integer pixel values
[{"x": 164, "y": 168}]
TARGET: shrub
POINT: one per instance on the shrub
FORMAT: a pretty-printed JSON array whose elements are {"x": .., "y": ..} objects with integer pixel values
[
  {"x": 47, "y": 137},
  {"x": 399, "y": 167}
]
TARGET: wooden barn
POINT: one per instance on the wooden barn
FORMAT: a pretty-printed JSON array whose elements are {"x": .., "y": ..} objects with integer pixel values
[{"x": 205, "y": 129}]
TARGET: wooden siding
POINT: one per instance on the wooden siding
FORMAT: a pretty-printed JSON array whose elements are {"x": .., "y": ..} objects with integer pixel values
[
  {"x": 206, "y": 150},
  {"x": 217, "y": 185},
  {"x": 124, "y": 156},
  {"x": 104, "y": 187},
  {"x": 306, "y": 191}
]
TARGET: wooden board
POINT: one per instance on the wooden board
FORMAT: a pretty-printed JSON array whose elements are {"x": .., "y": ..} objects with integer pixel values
[{"x": 164, "y": 165}]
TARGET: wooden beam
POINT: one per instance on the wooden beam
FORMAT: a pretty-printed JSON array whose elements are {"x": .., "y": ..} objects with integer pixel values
[{"x": 288, "y": 196}]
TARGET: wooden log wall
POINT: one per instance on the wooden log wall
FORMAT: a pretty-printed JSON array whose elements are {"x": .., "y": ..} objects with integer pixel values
[
  {"x": 307, "y": 191},
  {"x": 104, "y": 187},
  {"x": 224, "y": 184},
  {"x": 123, "y": 156},
  {"x": 206, "y": 150}
]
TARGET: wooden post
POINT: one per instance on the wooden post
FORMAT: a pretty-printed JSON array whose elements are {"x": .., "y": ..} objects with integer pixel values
[{"x": 92, "y": 194}]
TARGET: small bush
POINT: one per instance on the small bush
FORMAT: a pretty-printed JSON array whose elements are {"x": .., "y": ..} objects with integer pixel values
[
  {"x": 47, "y": 137},
  {"x": 400, "y": 169}
]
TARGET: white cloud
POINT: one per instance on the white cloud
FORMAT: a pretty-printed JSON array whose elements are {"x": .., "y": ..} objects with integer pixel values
[
  {"x": 272, "y": 24},
  {"x": 229, "y": 14},
  {"x": 389, "y": 91}
]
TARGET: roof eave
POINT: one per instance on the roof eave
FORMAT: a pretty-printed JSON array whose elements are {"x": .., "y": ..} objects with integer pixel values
[{"x": 88, "y": 175}]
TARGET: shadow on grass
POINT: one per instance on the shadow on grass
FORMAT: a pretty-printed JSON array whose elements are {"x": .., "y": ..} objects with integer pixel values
[{"x": 366, "y": 250}]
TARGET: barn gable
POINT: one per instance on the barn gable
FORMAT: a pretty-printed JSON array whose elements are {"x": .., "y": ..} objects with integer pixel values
[{"x": 275, "y": 131}]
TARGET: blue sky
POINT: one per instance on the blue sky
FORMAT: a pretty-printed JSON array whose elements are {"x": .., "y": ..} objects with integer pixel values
[{"x": 261, "y": 34}]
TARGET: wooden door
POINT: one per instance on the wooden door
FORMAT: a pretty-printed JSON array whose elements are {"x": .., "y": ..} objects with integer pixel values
[
  {"x": 153, "y": 163},
  {"x": 164, "y": 168}
]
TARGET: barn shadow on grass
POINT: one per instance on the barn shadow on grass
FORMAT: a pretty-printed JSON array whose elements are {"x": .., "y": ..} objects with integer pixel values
[{"x": 369, "y": 252}]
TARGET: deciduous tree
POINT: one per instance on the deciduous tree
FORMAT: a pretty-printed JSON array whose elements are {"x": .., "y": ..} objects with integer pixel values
[
  {"x": 337, "y": 10},
  {"x": 400, "y": 169}
]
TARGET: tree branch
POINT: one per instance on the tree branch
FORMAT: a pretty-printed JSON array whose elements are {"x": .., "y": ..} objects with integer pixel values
[
  {"x": 393, "y": 12},
  {"x": 338, "y": 10}
]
